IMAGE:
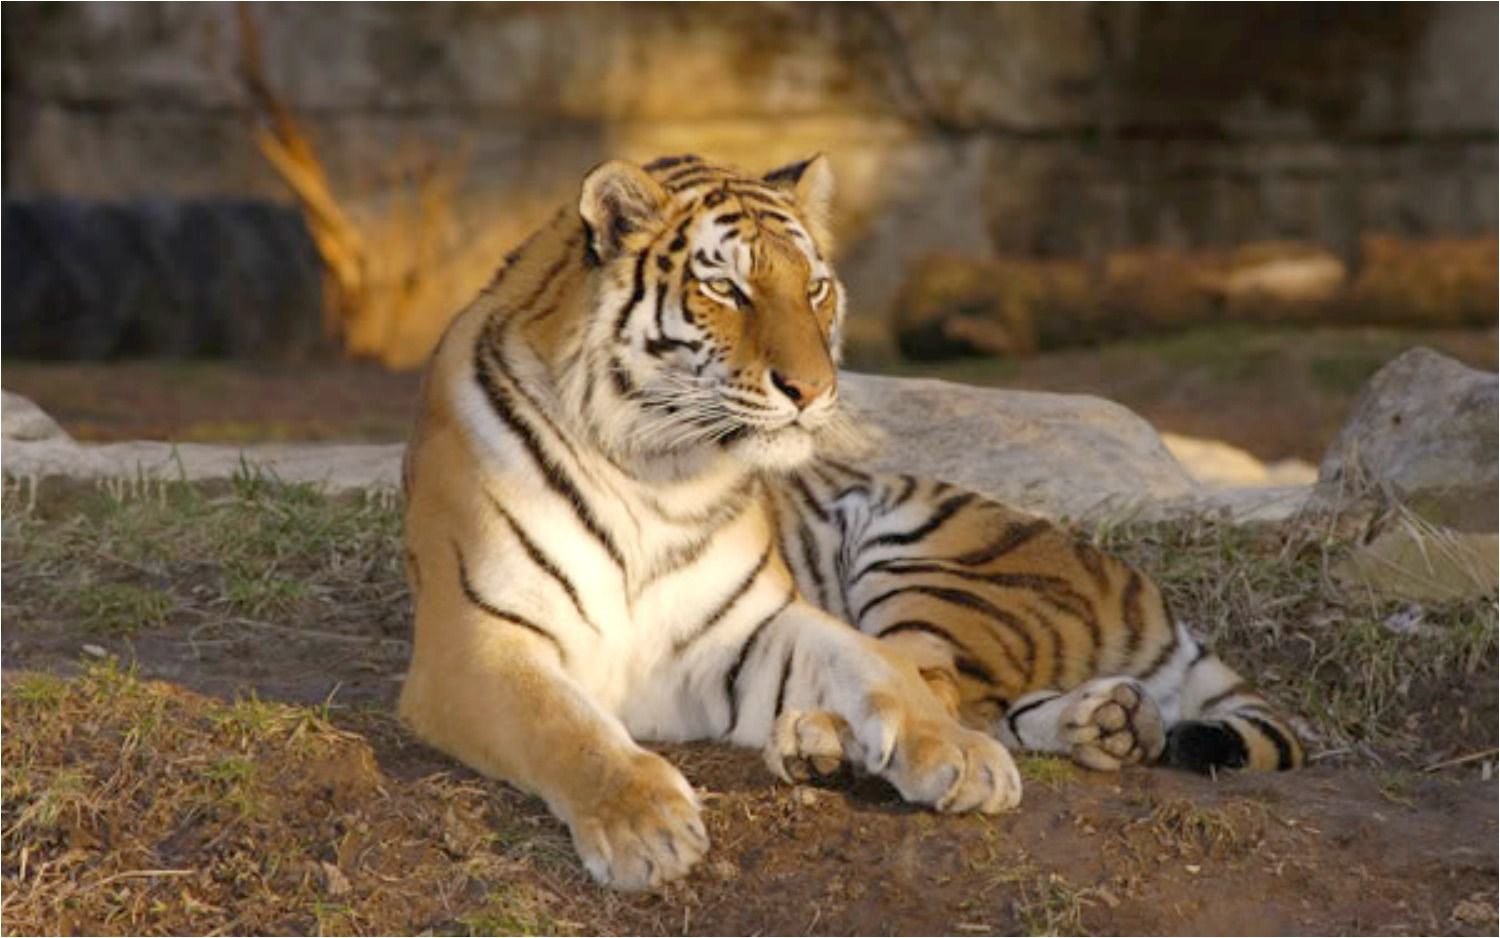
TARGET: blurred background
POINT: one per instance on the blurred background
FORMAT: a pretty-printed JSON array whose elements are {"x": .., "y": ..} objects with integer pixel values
[{"x": 252, "y": 221}]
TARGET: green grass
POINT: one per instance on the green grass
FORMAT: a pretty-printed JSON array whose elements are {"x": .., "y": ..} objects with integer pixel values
[{"x": 122, "y": 559}]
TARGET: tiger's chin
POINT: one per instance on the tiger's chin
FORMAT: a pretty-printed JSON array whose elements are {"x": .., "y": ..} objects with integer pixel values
[{"x": 782, "y": 449}]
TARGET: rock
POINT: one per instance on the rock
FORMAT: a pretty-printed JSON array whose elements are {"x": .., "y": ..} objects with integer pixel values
[
  {"x": 25, "y": 422},
  {"x": 1423, "y": 431},
  {"x": 1218, "y": 464},
  {"x": 36, "y": 447},
  {"x": 1054, "y": 454},
  {"x": 1424, "y": 563}
]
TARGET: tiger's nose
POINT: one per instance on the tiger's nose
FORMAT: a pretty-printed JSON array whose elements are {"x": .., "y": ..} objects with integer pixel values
[{"x": 799, "y": 391}]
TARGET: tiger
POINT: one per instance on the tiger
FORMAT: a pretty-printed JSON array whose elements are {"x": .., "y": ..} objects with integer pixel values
[{"x": 634, "y": 512}]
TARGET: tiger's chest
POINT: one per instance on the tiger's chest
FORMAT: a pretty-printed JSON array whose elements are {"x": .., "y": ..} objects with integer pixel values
[{"x": 642, "y": 583}]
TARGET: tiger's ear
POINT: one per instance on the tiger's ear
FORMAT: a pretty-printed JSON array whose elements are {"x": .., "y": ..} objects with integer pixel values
[
  {"x": 810, "y": 183},
  {"x": 618, "y": 198}
]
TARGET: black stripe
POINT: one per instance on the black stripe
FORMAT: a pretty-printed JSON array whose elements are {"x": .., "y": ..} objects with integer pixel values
[
  {"x": 732, "y": 676},
  {"x": 761, "y": 198},
  {"x": 1284, "y": 757},
  {"x": 1010, "y": 624},
  {"x": 692, "y": 177},
  {"x": 941, "y": 516},
  {"x": 805, "y": 493},
  {"x": 637, "y": 293},
  {"x": 1092, "y": 561},
  {"x": 552, "y": 473},
  {"x": 659, "y": 346},
  {"x": 1056, "y": 591},
  {"x": 1011, "y": 716},
  {"x": 548, "y": 278},
  {"x": 620, "y": 378},
  {"x": 544, "y": 562},
  {"x": 729, "y": 218},
  {"x": 667, "y": 162},
  {"x": 1168, "y": 649},
  {"x": 1134, "y": 617},
  {"x": 965, "y": 661},
  {"x": 739, "y": 592},
  {"x": 1013, "y": 537},
  {"x": 684, "y": 555},
  {"x": 730, "y": 505},
  {"x": 908, "y": 487},
  {"x": 787, "y": 663},
  {"x": 661, "y": 300},
  {"x": 810, "y": 558},
  {"x": 849, "y": 470},
  {"x": 510, "y": 618}
]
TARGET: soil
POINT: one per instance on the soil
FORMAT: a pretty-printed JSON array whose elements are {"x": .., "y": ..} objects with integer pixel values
[{"x": 419, "y": 845}]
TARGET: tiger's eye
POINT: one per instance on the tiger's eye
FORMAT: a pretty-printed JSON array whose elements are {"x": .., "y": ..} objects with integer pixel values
[
  {"x": 721, "y": 287},
  {"x": 817, "y": 291}
]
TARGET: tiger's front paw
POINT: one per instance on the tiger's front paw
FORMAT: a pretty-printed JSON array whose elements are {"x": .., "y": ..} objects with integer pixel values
[
  {"x": 1115, "y": 722},
  {"x": 931, "y": 759},
  {"x": 643, "y": 829},
  {"x": 806, "y": 743}
]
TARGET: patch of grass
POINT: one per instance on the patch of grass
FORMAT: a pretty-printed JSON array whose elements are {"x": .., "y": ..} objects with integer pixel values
[
  {"x": 1050, "y": 905},
  {"x": 122, "y": 608},
  {"x": 41, "y": 691},
  {"x": 510, "y": 911},
  {"x": 202, "y": 830},
  {"x": 126, "y": 556},
  {"x": 1047, "y": 770},
  {"x": 1190, "y": 829}
]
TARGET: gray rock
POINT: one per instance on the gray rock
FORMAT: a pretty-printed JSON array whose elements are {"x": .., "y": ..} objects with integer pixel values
[
  {"x": 25, "y": 422},
  {"x": 1054, "y": 454},
  {"x": 333, "y": 467},
  {"x": 1424, "y": 431}
]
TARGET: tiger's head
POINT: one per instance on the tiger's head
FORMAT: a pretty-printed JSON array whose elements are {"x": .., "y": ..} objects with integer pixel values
[{"x": 717, "y": 313}]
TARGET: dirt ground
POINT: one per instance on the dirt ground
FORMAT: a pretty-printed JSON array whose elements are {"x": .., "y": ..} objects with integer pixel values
[
  {"x": 1277, "y": 393},
  {"x": 353, "y": 828},
  {"x": 264, "y": 787}
]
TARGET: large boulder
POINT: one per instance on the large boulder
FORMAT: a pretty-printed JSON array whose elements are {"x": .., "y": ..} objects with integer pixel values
[
  {"x": 1055, "y": 454},
  {"x": 1424, "y": 432}
]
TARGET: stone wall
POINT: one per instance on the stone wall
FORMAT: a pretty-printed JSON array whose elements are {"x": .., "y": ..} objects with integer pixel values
[{"x": 1056, "y": 130}]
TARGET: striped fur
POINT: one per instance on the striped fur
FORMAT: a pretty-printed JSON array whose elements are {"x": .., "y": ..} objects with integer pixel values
[{"x": 626, "y": 520}]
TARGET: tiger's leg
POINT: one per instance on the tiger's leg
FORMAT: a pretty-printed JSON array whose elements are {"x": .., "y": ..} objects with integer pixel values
[
  {"x": 495, "y": 695},
  {"x": 812, "y": 689},
  {"x": 1188, "y": 710}
]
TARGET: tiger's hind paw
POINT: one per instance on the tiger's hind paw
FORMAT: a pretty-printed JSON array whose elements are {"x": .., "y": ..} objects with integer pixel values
[
  {"x": 806, "y": 743},
  {"x": 1114, "y": 723}
]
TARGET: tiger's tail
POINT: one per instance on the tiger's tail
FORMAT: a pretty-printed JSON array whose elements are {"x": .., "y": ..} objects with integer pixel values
[{"x": 1223, "y": 723}]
